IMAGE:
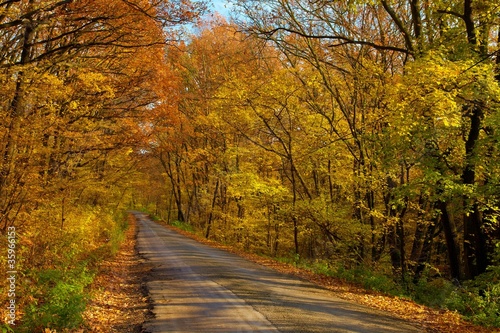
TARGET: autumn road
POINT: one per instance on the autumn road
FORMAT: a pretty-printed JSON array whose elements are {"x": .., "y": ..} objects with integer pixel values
[{"x": 196, "y": 288}]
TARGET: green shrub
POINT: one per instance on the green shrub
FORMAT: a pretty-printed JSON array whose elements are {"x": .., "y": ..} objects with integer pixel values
[
  {"x": 322, "y": 267},
  {"x": 183, "y": 226},
  {"x": 117, "y": 233},
  {"x": 479, "y": 300},
  {"x": 59, "y": 301},
  {"x": 369, "y": 279},
  {"x": 435, "y": 293}
]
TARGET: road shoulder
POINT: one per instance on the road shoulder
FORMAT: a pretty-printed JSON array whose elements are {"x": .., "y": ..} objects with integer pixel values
[{"x": 119, "y": 300}]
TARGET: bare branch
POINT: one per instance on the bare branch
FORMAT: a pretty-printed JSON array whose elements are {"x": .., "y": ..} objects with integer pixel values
[
  {"x": 400, "y": 26},
  {"x": 344, "y": 40}
]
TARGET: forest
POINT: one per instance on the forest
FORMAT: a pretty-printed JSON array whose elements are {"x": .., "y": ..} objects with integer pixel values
[{"x": 359, "y": 138}]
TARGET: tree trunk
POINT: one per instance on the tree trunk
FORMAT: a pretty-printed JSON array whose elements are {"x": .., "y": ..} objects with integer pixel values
[
  {"x": 421, "y": 252},
  {"x": 475, "y": 247},
  {"x": 175, "y": 182},
  {"x": 210, "y": 216},
  {"x": 475, "y": 241},
  {"x": 451, "y": 241}
]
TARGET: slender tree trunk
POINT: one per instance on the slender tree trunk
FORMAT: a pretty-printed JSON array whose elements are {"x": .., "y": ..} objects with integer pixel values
[
  {"x": 370, "y": 200},
  {"x": 210, "y": 216},
  {"x": 180, "y": 213},
  {"x": 330, "y": 183},
  {"x": 294, "y": 217},
  {"x": 175, "y": 182},
  {"x": 296, "y": 234},
  {"x": 400, "y": 232},
  {"x": 276, "y": 239}
]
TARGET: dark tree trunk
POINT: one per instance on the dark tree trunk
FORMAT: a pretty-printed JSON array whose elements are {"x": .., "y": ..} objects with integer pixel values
[
  {"x": 451, "y": 240},
  {"x": 424, "y": 254},
  {"x": 475, "y": 248},
  {"x": 475, "y": 242}
]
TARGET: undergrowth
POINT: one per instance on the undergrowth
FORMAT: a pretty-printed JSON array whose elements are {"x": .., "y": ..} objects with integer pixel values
[
  {"x": 57, "y": 265},
  {"x": 477, "y": 300},
  {"x": 183, "y": 226}
]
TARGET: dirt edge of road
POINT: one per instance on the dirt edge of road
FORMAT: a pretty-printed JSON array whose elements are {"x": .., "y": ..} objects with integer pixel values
[
  {"x": 122, "y": 304},
  {"x": 119, "y": 296}
]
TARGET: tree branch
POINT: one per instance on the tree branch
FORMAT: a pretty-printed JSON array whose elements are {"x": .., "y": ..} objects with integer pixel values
[
  {"x": 399, "y": 25},
  {"x": 344, "y": 40}
]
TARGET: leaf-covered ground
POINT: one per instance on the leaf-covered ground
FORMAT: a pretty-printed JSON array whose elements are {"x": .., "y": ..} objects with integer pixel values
[
  {"x": 119, "y": 299},
  {"x": 120, "y": 302}
]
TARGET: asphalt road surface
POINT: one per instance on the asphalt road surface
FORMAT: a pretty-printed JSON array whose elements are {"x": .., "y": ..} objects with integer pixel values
[{"x": 196, "y": 288}]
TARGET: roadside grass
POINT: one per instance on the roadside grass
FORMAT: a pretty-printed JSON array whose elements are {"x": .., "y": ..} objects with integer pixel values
[
  {"x": 477, "y": 301},
  {"x": 183, "y": 226},
  {"x": 175, "y": 223},
  {"x": 59, "y": 299},
  {"x": 361, "y": 276}
]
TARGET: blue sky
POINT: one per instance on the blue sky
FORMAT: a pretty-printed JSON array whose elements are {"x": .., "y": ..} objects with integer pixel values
[{"x": 220, "y": 6}]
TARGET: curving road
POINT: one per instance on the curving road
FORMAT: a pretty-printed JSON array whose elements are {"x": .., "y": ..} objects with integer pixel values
[{"x": 196, "y": 288}]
